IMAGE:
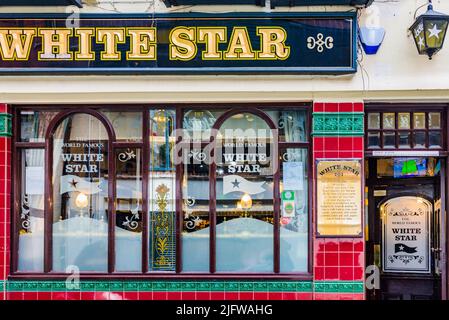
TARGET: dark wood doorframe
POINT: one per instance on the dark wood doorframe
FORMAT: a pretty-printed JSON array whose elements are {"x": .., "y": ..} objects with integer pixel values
[{"x": 372, "y": 181}]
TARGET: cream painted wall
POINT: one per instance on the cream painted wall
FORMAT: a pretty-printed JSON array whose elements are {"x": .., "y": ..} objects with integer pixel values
[{"x": 397, "y": 72}]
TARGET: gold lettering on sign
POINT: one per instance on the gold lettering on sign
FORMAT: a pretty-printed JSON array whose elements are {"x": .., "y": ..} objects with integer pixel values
[
  {"x": 339, "y": 198},
  {"x": 110, "y": 38},
  {"x": 273, "y": 43},
  {"x": 85, "y": 36},
  {"x": 143, "y": 44},
  {"x": 16, "y": 44},
  {"x": 239, "y": 45},
  {"x": 55, "y": 44},
  {"x": 211, "y": 37},
  {"x": 182, "y": 44}
]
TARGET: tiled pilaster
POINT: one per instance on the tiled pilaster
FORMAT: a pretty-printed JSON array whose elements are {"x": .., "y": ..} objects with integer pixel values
[
  {"x": 338, "y": 134},
  {"x": 5, "y": 194}
]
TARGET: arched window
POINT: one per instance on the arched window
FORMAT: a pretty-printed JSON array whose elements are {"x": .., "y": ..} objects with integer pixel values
[{"x": 80, "y": 187}]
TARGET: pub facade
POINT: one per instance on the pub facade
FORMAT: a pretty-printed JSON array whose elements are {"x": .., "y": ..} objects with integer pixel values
[{"x": 234, "y": 150}]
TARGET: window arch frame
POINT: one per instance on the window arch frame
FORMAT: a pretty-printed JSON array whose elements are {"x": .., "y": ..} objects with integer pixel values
[{"x": 48, "y": 203}]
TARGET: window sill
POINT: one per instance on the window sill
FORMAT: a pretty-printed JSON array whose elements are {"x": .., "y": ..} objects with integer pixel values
[{"x": 162, "y": 275}]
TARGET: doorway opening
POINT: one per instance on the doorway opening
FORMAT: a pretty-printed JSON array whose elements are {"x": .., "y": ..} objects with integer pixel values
[{"x": 405, "y": 227}]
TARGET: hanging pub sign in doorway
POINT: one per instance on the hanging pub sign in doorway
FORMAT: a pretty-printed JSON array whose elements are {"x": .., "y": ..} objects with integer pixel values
[
  {"x": 406, "y": 241},
  {"x": 309, "y": 43}
]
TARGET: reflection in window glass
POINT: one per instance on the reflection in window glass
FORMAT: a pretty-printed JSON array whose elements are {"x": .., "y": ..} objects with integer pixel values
[
  {"x": 244, "y": 188},
  {"x": 389, "y": 121},
  {"x": 291, "y": 124},
  {"x": 31, "y": 229},
  {"x": 128, "y": 230},
  {"x": 374, "y": 120},
  {"x": 404, "y": 120},
  {"x": 127, "y": 125},
  {"x": 434, "y": 120},
  {"x": 195, "y": 191},
  {"x": 404, "y": 140},
  {"x": 420, "y": 140},
  {"x": 389, "y": 139},
  {"x": 374, "y": 139},
  {"x": 161, "y": 215},
  {"x": 294, "y": 211},
  {"x": 198, "y": 123},
  {"x": 435, "y": 139},
  {"x": 419, "y": 120},
  {"x": 80, "y": 194},
  {"x": 34, "y": 124}
]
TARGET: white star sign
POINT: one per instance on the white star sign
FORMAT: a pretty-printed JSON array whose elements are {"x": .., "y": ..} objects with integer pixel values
[
  {"x": 421, "y": 42},
  {"x": 434, "y": 32}
]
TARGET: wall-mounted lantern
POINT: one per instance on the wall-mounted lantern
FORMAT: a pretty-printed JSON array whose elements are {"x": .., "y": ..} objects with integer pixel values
[{"x": 429, "y": 31}]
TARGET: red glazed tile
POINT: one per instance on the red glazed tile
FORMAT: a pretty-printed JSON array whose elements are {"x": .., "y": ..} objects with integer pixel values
[
  {"x": 331, "y": 259},
  {"x": 345, "y": 107},
  {"x": 320, "y": 296},
  {"x": 30, "y": 296},
  {"x": 73, "y": 296},
  {"x": 319, "y": 260},
  {"x": 346, "y": 296},
  {"x": 359, "y": 273},
  {"x": 319, "y": 273},
  {"x": 330, "y": 107},
  {"x": 346, "y": 273},
  {"x": 331, "y": 154},
  {"x": 189, "y": 295},
  {"x": 217, "y": 295},
  {"x": 145, "y": 295},
  {"x": 304, "y": 296},
  {"x": 357, "y": 144},
  {"x": 318, "y": 143},
  {"x": 102, "y": 296},
  {"x": 44, "y": 295},
  {"x": 3, "y": 108},
  {"x": 260, "y": 295},
  {"x": 358, "y": 155},
  {"x": 116, "y": 296},
  {"x": 346, "y": 259},
  {"x": 58, "y": 296},
  {"x": 15, "y": 295},
  {"x": 319, "y": 245},
  {"x": 319, "y": 154},
  {"x": 231, "y": 295},
  {"x": 275, "y": 295},
  {"x": 345, "y": 144},
  {"x": 358, "y": 296},
  {"x": 332, "y": 296},
  {"x": 87, "y": 295},
  {"x": 246, "y": 296},
  {"x": 2, "y": 296},
  {"x": 318, "y": 107},
  {"x": 345, "y": 154},
  {"x": 358, "y": 107},
  {"x": 158, "y": 295},
  {"x": 331, "y": 273},
  {"x": 331, "y": 144},
  {"x": 358, "y": 245},
  {"x": 346, "y": 245},
  {"x": 128, "y": 295},
  {"x": 174, "y": 296},
  {"x": 359, "y": 259},
  {"x": 203, "y": 295},
  {"x": 289, "y": 296}
]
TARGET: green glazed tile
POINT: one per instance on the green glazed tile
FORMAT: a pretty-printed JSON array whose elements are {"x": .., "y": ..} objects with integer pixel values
[
  {"x": 217, "y": 286},
  {"x": 188, "y": 286},
  {"x": 203, "y": 286},
  {"x": 130, "y": 286},
  {"x": 260, "y": 286},
  {"x": 232, "y": 286},
  {"x": 102, "y": 286},
  {"x": 246, "y": 286}
]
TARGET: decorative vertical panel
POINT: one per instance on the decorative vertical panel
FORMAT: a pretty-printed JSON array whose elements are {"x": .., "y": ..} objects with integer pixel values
[
  {"x": 5, "y": 195},
  {"x": 338, "y": 263}
]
